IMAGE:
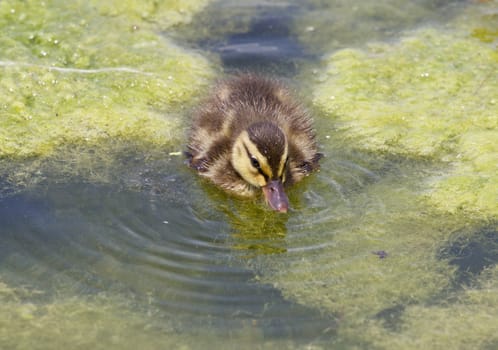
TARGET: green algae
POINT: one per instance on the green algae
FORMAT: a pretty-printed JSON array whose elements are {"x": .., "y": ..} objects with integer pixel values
[
  {"x": 99, "y": 322},
  {"x": 349, "y": 277},
  {"x": 28, "y": 320},
  {"x": 485, "y": 28},
  {"x": 433, "y": 95},
  {"x": 76, "y": 73},
  {"x": 162, "y": 14},
  {"x": 232, "y": 17},
  {"x": 376, "y": 264},
  {"x": 414, "y": 98},
  {"x": 468, "y": 322},
  {"x": 428, "y": 101},
  {"x": 471, "y": 186}
]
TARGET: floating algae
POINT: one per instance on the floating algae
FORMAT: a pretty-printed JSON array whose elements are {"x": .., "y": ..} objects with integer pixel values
[
  {"x": 468, "y": 322},
  {"x": 429, "y": 102},
  {"x": 78, "y": 74},
  {"x": 346, "y": 274},
  {"x": 102, "y": 321},
  {"x": 432, "y": 96}
]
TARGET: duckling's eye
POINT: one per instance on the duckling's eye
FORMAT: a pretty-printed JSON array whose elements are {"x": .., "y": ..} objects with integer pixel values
[{"x": 255, "y": 162}]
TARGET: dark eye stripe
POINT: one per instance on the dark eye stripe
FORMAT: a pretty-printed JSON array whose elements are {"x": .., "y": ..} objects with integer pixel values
[{"x": 255, "y": 163}]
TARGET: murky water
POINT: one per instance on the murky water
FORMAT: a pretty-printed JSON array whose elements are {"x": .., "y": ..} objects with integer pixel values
[
  {"x": 156, "y": 258},
  {"x": 183, "y": 254}
]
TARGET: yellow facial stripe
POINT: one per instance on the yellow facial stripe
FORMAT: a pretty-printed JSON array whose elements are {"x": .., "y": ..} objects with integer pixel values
[
  {"x": 266, "y": 170},
  {"x": 254, "y": 152},
  {"x": 283, "y": 160}
]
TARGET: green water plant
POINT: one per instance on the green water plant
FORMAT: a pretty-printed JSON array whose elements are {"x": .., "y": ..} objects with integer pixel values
[
  {"x": 80, "y": 72},
  {"x": 428, "y": 103},
  {"x": 430, "y": 96},
  {"x": 468, "y": 322}
]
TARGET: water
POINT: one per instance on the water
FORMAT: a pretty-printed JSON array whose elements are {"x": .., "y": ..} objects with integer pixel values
[
  {"x": 186, "y": 259},
  {"x": 156, "y": 258}
]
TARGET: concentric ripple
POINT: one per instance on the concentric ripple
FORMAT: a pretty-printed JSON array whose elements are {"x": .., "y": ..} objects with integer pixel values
[
  {"x": 81, "y": 239},
  {"x": 188, "y": 251}
]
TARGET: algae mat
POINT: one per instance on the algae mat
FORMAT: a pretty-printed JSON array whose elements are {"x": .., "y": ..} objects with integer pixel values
[
  {"x": 103, "y": 321},
  {"x": 83, "y": 72},
  {"x": 432, "y": 96},
  {"x": 428, "y": 104}
]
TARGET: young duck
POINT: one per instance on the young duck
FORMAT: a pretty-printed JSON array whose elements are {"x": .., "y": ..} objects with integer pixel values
[{"x": 252, "y": 135}]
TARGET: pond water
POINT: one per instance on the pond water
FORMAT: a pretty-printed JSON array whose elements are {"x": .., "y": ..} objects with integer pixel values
[{"x": 155, "y": 258}]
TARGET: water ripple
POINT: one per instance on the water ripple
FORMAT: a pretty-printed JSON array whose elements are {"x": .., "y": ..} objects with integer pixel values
[
  {"x": 87, "y": 239},
  {"x": 186, "y": 253}
]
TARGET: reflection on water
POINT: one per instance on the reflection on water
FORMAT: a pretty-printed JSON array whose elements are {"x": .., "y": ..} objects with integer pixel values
[
  {"x": 86, "y": 239},
  {"x": 182, "y": 246},
  {"x": 280, "y": 37},
  {"x": 267, "y": 45}
]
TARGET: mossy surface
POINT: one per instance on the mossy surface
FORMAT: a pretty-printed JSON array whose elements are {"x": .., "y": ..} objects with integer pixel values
[
  {"x": 99, "y": 322},
  {"x": 469, "y": 322},
  {"x": 80, "y": 72},
  {"x": 432, "y": 96},
  {"x": 416, "y": 98},
  {"x": 372, "y": 257},
  {"x": 374, "y": 253},
  {"x": 103, "y": 321}
]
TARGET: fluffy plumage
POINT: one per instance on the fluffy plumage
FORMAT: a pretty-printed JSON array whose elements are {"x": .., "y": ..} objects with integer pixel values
[{"x": 251, "y": 132}]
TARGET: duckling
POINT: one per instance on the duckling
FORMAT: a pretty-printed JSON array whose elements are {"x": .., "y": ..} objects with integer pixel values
[{"x": 251, "y": 136}]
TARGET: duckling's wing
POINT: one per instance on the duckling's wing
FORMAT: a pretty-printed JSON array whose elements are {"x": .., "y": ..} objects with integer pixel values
[{"x": 308, "y": 166}]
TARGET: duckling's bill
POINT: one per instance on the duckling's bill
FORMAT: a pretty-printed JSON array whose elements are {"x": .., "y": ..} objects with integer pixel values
[{"x": 275, "y": 196}]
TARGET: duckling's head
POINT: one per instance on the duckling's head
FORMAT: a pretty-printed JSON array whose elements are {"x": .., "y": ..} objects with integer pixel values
[{"x": 260, "y": 156}]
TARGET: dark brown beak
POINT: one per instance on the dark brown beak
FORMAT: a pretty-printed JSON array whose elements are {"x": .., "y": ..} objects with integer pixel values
[{"x": 275, "y": 196}]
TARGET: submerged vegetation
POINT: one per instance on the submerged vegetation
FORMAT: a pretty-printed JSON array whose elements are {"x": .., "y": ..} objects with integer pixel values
[{"x": 98, "y": 322}]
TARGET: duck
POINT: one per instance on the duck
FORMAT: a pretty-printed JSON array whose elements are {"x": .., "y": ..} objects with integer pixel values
[{"x": 252, "y": 136}]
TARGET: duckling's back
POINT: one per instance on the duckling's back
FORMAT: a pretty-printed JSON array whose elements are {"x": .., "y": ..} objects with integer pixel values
[{"x": 235, "y": 105}]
